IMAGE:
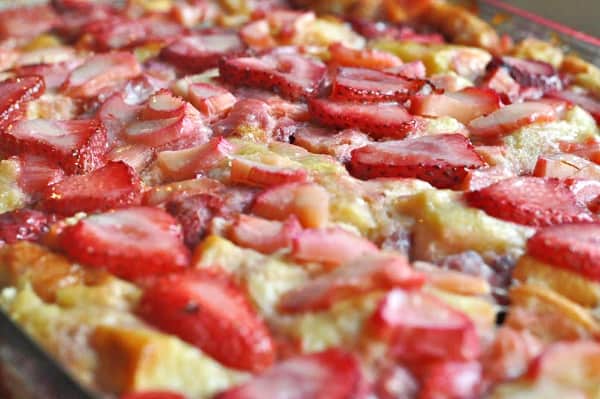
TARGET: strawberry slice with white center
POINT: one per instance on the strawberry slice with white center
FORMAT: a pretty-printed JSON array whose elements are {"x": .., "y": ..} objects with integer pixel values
[
  {"x": 332, "y": 374},
  {"x": 324, "y": 141},
  {"x": 163, "y": 105},
  {"x": 590, "y": 149},
  {"x": 294, "y": 76},
  {"x": 264, "y": 235},
  {"x": 26, "y": 21},
  {"x": 441, "y": 160},
  {"x": 36, "y": 173},
  {"x": 563, "y": 166},
  {"x": 585, "y": 100},
  {"x": 130, "y": 243},
  {"x": 54, "y": 75},
  {"x": 574, "y": 247},
  {"x": 331, "y": 247},
  {"x": 202, "y": 51},
  {"x": 464, "y": 105},
  {"x": 77, "y": 145},
  {"x": 114, "y": 185},
  {"x": 360, "y": 276},
  {"x": 586, "y": 191},
  {"x": 212, "y": 101},
  {"x": 14, "y": 93},
  {"x": 367, "y": 85},
  {"x": 100, "y": 71},
  {"x": 378, "y": 120},
  {"x": 531, "y": 201},
  {"x": 188, "y": 163},
  {"x": 118, "y": 32},
  {"x": 309, "y": 202},
  {"x": 529, "y": 73},
  {"x": 508, "y": 119},
  {"x": 365, "y": 58},
  {"x": 419, "y": 327},
  {"x": 206, "y": 309},
  {"x": 258, "y": 174}
]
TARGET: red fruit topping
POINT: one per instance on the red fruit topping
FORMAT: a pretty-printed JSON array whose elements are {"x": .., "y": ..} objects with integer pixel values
[
  {"x": 114, "y": 185},
  {"x": 441, "y": 160},
  {"x": 508, "y": 119},
  {"x": 22, "y": 224},
  {"x": 528, "y": 73},
  {"x": 195, "y": 213},
  {"x": 332, "y": 246},
  {"x": 131, "y": 243},
  {"x": 153, "y": 395},
  {"x": 410, "y": 70},
  {"x": 359, "y": 276},
  {"x": 420, "y": 327},
  {"x": 26, "y": 21},
  {"x": 212, "y": 101},
  {"x": 115, "y": 114},
  {"x": 262, "y": 175},
  {"x": 586, "y": 191},
  {"x": 332, "y": 374},
  {"x": 292, "y": 75},
  {"x": 378, "y": 120},
  {"x": 77, "y": 145},
  {"x": 247, "y": 114},
  {"x": 366, "y": 58},
  {"x": 588, "y": 150},
  {"x": 206, "y": 309},
  {"x": 451, "y": 380},
  {"x": 464, "y": 105},
  {"x": 163, "y": 105},
  {"x": 585, "y": 100},
  {"x": 531, "y": 201},
  {"x": 366, "y": 85},
  {"x": 562, "y": 166},
  {"x": 202, "y": 51},
  {"x": 14, "y": 93},
  {"x": 100, "y": 71},
  {"x": 160, "y": 194},
  {"x": 36, "y": 173},
  {"x": 54, "y": 75},
  {"x": 264, "y": 235},
  {"x": 324, "y": 141},
  {"x": 277, "y": 26},
  {"x": 574, "y": 247},
  {"x": 574, "y": 363}
]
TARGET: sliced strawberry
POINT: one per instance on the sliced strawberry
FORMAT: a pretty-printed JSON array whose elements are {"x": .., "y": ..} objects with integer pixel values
[
  {"x": 531, "y": 201},
  {"x": 574, "y": 247},
  {"x": 410, "y": 70},
  {"x": 562, "y": 166},
  {"x": 454, "y": 380},
  {"x": 115, "y": 114},
  {"x": 464, "y": 105},
  {"x": 22, "y": 225},
  {"x": 585, "y": 100},
  {"x": 247, "y": 114},
  {"x": 14, "y": 93},
  {"x": 441, "y": 160},
  {"x": 332, "y": 374},
  {"x": 588, "y": 150},
  {"x": 586, "y": 191},
  {"x": 292, "y": 75},
  {"x": 378, "y": 120},
  {"x": 279, "y": 26},
  {"x": 331, "y": 246},
  {"x": 476, "y": 179},
  {"x": 202, "y": 51},
  {"x": 131, "y": 243},
  {"x": 359, "y": 276},
  {"x": 309, "y": 202},
  {"x": 529, "y": 73},
  {"x": 77, "y": 145},
  {"x": 161, "y": 194},
  {"x": 420, "y": 327},
  {"x": 26, "y": 21},
  {"x": 152, "y": 395},
  {"x": 394, "y": 382},
  {"x": 570, "y": 363},
  {"x": 36, "y": 173},
  {"x": 114, "y": 185},
  {"x": 54, "y": 75},
  {"x": 163, "y": 105},
  {"x": 499, "y": 80},
  {"x": 186, "y": 164},
  {"x": 195, "y": 212},
  {"x": 212, "y": 101},
  {"x": 323, "y": 141},
  {"x": 100, "y": 71},
  {"x": 264, "y": 235},
  {"x": 508, "y": 119},
  {"x": 366, "y": 58},
  {"x": 136, "y": 155},
  {"x": 366, "y": 85},
  {"x": 262, "y": 175},
  {"x": 206, "y": 309},
  {"x": 118, "y": 32}
]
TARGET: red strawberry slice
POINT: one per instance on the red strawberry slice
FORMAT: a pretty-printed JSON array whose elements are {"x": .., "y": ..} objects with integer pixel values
[
  {"x": 118, "y": 32},
  {"x": 100, "y": 71},
  {"x": 264, "y": 235},
  {"x": 163, "y": 105},
  {"x": 36, "y": 173},
  {"x": 499, "y": 80},
  {"x": 14, "y": 93},
  {"x": 476, "y": 179},
  {"x": 331, "y": 247},
  {"x": 206, "y": 309},
  {"x": 410, "y": 70},
  {"x": 378, "y": 120},
  {"x": 195, "y": 211},
  {"x": 360, "y": 276},
  {"x": 574, "y": 363},
  {"x": 212, "y": 101},
  {"x": 114, "y": 185},
  {"x": 54, "y": 75},
  {"x": 309, "y": 202},
  {"x": 419, "y": 327},
  {"x": 22, "y": 225},
  {"x": 153, "y": 395},
  {"x": 137, "y": 156},
  {"x": 131, "y": 243},
  {"x": 77, "y": 145},
  {"x": 248, "y": 114},
  {"x": 441, "y": 160},
  {"x": 26, "y": 21},
  {"x": 365, "y": 58},
  {"x": 202, "y": 51},
  {"x": 531, "y": 201},
  {"x": 332, "y": 374},
  {"x": 528, "y": 73},
  {"x": 186, "y": 164},
  {"x": 464, "y": 105},
  {"x": 585, "y": 100},
  {"x": 508, "y": 119},
  {"x": 562, "y": 166},
  {"x": 323, "y": 141},
  {"x": 294, "y": 76},
  {"x": 588, "y": 150},
  {"x": 366, "y": 85},
  {"x": 451, "y": 380},
  {"x": 574, "y": 247},
  {"x": 586, "y": 191},
  {"x": 115, "y": 114},
  {"x": 258, "y": 174}
]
